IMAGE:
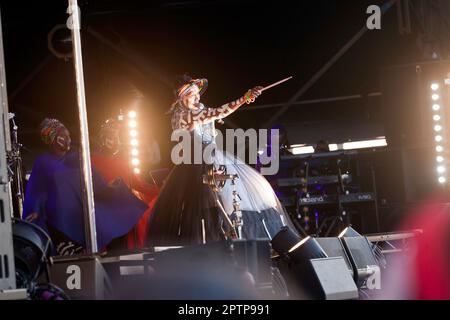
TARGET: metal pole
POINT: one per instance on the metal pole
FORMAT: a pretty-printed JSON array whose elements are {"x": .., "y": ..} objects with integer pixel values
[
  {"x": 8, "y": 276},
  {"x": 89, "y": 206}
]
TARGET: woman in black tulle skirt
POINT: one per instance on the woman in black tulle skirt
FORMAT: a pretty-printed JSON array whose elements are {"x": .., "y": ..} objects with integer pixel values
[{"x": 187, "y": 210}]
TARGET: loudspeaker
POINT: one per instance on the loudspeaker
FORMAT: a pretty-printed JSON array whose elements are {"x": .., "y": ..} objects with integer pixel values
[
  {"x": 333, "y": 247},
  {"x": 331, "y": 279},
  {"x": 254, "y": 255},
  {"x": 81, "y": 277},
  {"x": 365, "y": 266}
]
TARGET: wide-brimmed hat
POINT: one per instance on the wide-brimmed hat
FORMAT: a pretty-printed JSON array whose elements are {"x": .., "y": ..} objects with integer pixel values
[
  {"x": 185, "y": 87},
  {"x": 202, "y": 85}
]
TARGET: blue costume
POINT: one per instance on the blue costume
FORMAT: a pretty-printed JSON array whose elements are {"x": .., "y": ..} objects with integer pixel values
[{"x": 54, "y": 192}]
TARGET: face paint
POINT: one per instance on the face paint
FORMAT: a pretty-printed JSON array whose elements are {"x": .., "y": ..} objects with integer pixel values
[{"x": 192, "y": 98}]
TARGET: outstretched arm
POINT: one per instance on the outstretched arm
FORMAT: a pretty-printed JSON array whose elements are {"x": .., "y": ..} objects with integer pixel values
[{"x": 207, "y": 115}]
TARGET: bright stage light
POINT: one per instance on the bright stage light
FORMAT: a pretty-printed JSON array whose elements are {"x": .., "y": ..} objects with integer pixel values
[
  {"x": 435, "y": 86},
  {"x": 365, "y": 144},
  {"x": 303, "y": 150},
  {"x": 132, "y": 114},
  {"x": 436, "y": 107},
  {"x": 440, "y": 169},
  {"x": 438, "y": 138},
  {"x": 436, "y": 117},
  {"x": 437, "y": 128},
  {"x": 442, "y": 180},
  {"x": 134, "y": 152},
  {"x": 137, "y": 170},
  {"x": 439, "y": 148},
  {"x": 435, "y": 97},
  {"x": 134, "y": 142},
  {"x": 333, "y": 147},
  {"x": 440, "y": 159},
  {"x": 133, "y": 133},
  {"x": 135, "y": 162},
  {"x": 132, "y": 123}
]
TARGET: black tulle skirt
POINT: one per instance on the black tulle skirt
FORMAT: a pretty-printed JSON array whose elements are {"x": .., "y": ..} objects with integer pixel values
[{"x": 186, "y": 211}]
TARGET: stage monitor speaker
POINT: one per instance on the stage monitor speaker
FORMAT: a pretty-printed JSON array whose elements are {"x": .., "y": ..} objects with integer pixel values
[
  {"x": 365, "y": 267},
  {"x": 81, "y": 277},
  {"x": 331, "y": 280},
  {"x": 318, "y": 279},
  {"x": 254, "y": 255},
  {"x": 333, "y": 247}
]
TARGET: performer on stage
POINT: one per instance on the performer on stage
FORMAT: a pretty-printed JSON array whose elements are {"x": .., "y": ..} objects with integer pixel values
[
  {"x": 53, "y": 197},
  {"x": 112, "y": 164},
  {"x": 186, "y": 211}
]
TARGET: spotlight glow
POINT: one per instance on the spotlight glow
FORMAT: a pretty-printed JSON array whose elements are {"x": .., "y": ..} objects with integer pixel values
[
  {"x": 437, "y": 128},
  {"x": 132, "y": 123},
  {"x": 135, "y": 162},
  {"x": 435, "y": 97},
  {"x": 133, "y": 133},
  {"x": 440, "y": 169},
  {"x": 435, "y": 86},
  {"x": 438, "y": 138},
  {"x": 134, "y": 152},
  {"x": 137, "y": 170},
  {"x": 132, "y": 114},
  {"x": 440, "y": 159},
  {"x": 442, "y": 180},
  {"x": 134, "y": 142},
  {"x": 436, "y": 107},
  {"x": 439, "y": 148},
  {"x": 436, "y": 117}
]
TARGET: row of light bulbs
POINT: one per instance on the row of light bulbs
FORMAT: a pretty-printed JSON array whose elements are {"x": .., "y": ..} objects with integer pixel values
[
  {"x": 134, "y": 142},
  {"x": 439, "y": 136}
]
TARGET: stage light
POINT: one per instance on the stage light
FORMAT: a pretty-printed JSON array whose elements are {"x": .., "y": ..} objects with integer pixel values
[
  {"x": 133, "y": 133},
  {"x": 434, "y": 86},
  {"x": 440, "y": 159},
  {"x": 134, "y": 152},
  {"x": 438, "y": 138},
  {"x": 439, "y": 148},
  {"x": 132, "y": 123},
  {"x": 32, "y": 249},
  {"x": 333, "y": 147},
  {"x": 435, "y": 97},
  {"x": 132, "y": 114},
  {"x": 440, "y": 169},
  {"x": 436, "y": 117},
  {"x": 436, "y": 107},
  {"x": 137, "y": 170},
  {"x": 442, "y": 180},
  {"x": 365, "y": 144},
  {"x": 135, "y": 161},
  {"x": 302, "y": 150},
  {"x": 134, "y": 142},
  {"x": 437, "y": 128}
]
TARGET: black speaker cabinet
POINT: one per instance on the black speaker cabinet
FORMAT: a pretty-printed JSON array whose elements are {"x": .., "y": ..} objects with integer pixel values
[
  {"x": 81, "y": 277},
  {"x": 362, "y": 259},
  {"x": 255, "y": 256},
  {"x": 333, "y": 247},
  {"x": 331, "y": 280}
]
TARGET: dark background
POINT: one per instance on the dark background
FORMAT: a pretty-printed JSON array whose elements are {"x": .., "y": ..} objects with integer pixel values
[
  {"x": 235, "y": 44},
  {"x": 133, "y": 50}
]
